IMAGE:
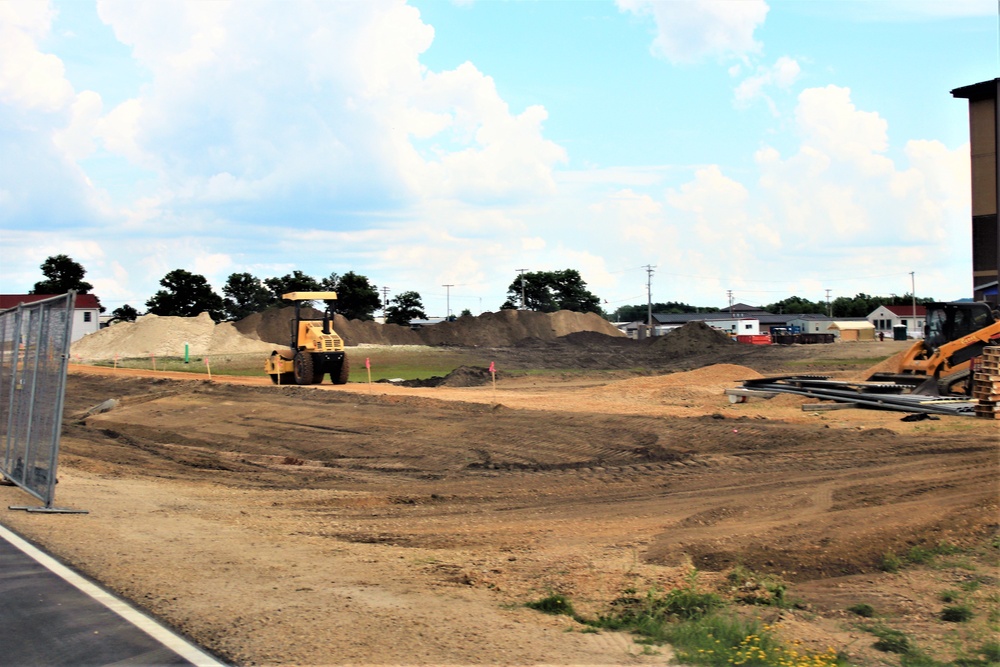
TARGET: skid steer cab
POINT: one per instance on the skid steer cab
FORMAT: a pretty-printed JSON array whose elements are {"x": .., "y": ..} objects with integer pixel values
[{"x": 315, "y": 348}]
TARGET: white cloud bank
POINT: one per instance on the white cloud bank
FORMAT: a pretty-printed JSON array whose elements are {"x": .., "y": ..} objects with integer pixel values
[
  {"x": 689, "y": 30},
  {"x": 279, "y": 136}
]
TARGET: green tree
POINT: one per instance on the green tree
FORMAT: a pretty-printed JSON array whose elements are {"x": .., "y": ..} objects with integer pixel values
[
  {"x": 296, "y": 281},
  {"x": 404, "y": 307},
  {"x": 245, "y": 295},
  {"x": 62, "y": 274},
  {"x": 186, "y": 295},
  {"x": 124, "y": 313},
  {"x": 549, "y": 291},
  {"x": 796, "y": 305},
  {"x": 639, "y": 312},
  {"x": 465, "y": 313},
  {"x": 357, "y": 299}
]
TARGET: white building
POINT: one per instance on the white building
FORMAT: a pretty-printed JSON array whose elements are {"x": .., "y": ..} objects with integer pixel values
[
  {"x": 885, "y": 318},
  {"x": 86, "y": 313}
]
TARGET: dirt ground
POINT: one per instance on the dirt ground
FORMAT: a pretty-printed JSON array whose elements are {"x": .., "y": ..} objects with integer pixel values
[{"x": 386, "y": 525}]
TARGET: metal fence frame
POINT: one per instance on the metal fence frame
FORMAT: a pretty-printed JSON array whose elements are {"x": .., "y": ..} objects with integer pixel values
[{"x": 34, "y": 355}]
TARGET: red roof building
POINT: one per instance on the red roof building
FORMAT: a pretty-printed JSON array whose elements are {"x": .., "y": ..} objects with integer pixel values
[{"x": 86, "y": 311}]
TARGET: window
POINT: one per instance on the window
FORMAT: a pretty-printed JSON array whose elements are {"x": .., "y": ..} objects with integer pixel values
[{"x": 87, "y": 315}]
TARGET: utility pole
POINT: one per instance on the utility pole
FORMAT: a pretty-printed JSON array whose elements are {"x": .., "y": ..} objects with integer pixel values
[
  {"x": 829, "y": 308},
  {"x": 385, "y": 300},
  {"x": 448, "y": 301},
  {"x": 523, "y": 305},
  {"x": 913, "y": 297},
  {"x": 729, "y": 293},
  {"x": 649, "y": 295}
]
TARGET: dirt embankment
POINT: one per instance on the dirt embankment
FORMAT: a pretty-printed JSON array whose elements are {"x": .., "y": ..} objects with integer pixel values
[
  {"x": 500, "y": 329},
  {"x": 262, "y": 332}
]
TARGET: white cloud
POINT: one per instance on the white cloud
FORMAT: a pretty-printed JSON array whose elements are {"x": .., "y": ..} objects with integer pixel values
[
  {"x": 30, "y": 79},
  {"x": 840, "y": 190},
  {"x": 325, "y": 104},
  {"x": 690, "y": 30},
  {"x": 782, "y": 75}
]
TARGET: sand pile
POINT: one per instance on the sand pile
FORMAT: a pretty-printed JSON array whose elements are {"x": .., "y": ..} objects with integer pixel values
[
  {"x": 890, "y": 365},
  {"x": 500, "y": 329},
  {"x": 165, "y": 337}
]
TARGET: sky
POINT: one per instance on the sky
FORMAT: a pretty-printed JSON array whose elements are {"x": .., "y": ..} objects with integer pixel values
[{"x": 706, "y": 149}]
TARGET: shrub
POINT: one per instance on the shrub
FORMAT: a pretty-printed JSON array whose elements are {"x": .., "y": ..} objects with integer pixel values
[
  {"x": 862, "y": 609},
  {"x": 553, "y": 604},
  {"x": 957, "y": 613},
  {"x": 889, "y": 640}
]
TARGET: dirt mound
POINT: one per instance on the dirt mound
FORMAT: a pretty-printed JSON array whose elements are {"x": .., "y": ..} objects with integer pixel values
[
  {"x": 506, "y": 327},
  {"x": 501, "y": 329},
  {"x": 890, "y": 365},
  {"x": 707, "y": 381},
  {"x": 596, "y": 339},
  {"x": 463, "y": 376},
  {"x": 165, "y": 336},
  {"x": 692, "y": 338}
]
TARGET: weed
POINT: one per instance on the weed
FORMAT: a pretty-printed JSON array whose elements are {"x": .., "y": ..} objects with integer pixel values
[
  {"x": 947, "y": 549},
  {"x": 862, "y": 609},
  {"x": 991, "y": 651},
  {"x": 919, "y": 555},
  {"x": 727, "y": 641},
  {"x": 890, "y": 562},
  {"x": 750, "y": 587},
  {"x": 970, "y": 586},
  {"x": 553, "y": 604},
  {"x": 957, "y": 613},
  {"x": 889, "y": 640},
  {"x": 948, "y": 596}
]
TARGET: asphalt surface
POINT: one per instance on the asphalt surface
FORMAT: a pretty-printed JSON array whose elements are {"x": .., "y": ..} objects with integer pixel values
[{"x": 51, "y": 616}]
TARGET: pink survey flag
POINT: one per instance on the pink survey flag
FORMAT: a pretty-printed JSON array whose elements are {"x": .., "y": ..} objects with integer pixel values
[
  {"x": 368, "y": 362},
  {"x": 493, "y": 368}
]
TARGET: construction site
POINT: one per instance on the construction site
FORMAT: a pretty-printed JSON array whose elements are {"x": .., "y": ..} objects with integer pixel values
[{"x": 298, "y": 523}]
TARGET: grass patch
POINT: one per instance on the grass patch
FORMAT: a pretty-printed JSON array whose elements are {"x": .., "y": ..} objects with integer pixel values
[
  {"x": 890, "y": 562},
  {"x": 693, "y": 622},
  {"x": 862, "y": 609},
  {"x": 889, "y": 639},
  {"x": 386, "y": 363},
  {"x": 948, "y": 596}
]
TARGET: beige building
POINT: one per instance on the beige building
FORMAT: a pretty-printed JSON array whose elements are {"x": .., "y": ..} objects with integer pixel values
[{"x": 984, "y": 128}]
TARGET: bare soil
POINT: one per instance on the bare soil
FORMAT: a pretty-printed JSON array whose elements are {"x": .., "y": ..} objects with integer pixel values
[{"x": 393, "y": 525}]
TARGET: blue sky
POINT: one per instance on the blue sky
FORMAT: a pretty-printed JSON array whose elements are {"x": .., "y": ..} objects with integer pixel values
[{"x": 768, "y": 148}]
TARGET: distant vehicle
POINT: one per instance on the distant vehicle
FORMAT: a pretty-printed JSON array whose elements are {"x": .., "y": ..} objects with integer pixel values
[
  {"x": 941, "y": 363},
  {"x": 315, "y": 348}
]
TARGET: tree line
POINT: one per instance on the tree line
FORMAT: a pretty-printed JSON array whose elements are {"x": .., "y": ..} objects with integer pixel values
[{"x": 189, "y": 294}]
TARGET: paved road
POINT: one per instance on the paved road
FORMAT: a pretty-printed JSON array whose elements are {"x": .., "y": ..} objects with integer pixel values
[{"x": 51, "y": 616}]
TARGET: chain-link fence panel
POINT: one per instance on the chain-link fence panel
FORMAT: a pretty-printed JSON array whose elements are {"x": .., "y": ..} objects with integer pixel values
[{"x": 34, "y": 353}]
